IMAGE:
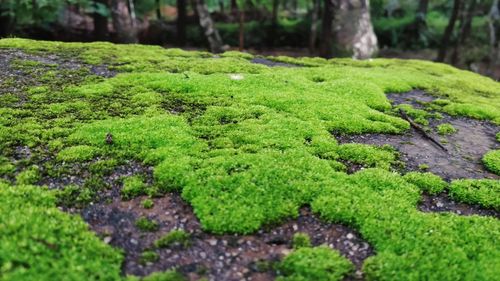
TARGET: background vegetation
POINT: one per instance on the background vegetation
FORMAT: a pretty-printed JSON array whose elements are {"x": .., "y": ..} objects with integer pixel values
[{"x": 462, "y": 33}]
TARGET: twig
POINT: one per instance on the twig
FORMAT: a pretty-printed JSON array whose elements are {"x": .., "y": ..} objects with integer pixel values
[{"x": 420, "y": 129}]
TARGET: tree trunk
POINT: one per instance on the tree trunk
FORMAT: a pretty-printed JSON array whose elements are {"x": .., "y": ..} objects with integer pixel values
[
  {"x": 158, "y": 10},
  {"x": 221, "y": 7},
  {"x": 449, "y": 31},
  {"x": 241, "y": 45},
  {"x": 122, "y": 22},
  {"x": 354, "y": 30},
  {"x": 207, "y": 24},
  {"x": 314, "y": 26},
  {"x": 274, "y": 23},
  {"x": 100, "y": 22},
  {"x": 181, "y": 22},
  {"x": 326, "y": 49},
  {"x": 493, "y": 19},
  {"x": 234, "y": 10},
  {"x": 421, "y": 18},
  {"x": 465, "y": 28}
]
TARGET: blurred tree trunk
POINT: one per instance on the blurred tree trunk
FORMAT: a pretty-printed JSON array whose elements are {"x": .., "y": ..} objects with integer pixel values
[
  {"x": 465, "y": 29},
  {"x": 5, "y": 22},
  {"x": 241, "y": 28},
  {"x": 158, "y": 9},
  {"x": 457, "y": 4},
  {"x": 314, "y": 26},
  {"x": 181, "y": 22},
  {"x": 494, "y": 22},
  {"x": 421, "y": 18},
  {"x": 221, "y": 7},
  {"x": 274, "y": 23},
  {"x": 354, "y": 30},
  {"x": 234, "y": 10},
  {"x": 122, "y": 22},
  {"x": 100, "y": 22},
  {"x": 207, "y": 24},
  {"x": 326, "y": 48}
]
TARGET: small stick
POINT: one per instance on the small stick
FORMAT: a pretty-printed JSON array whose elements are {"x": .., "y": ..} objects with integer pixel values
[{"x": 420, "y": 129}]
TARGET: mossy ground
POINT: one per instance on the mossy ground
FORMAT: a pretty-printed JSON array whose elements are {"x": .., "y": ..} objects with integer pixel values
[{"x": 246, "y": 146}]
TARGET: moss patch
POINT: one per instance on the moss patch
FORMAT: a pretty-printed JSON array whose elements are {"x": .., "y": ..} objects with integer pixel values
[
  {"x": 246, "y": 146},
  {"x": 492, "y": 161},
  {"x": 483, "y": 192},
  {"x": 39, "y": 242},
  {"x": 320, "y": 263},
  {"x": 446, "y": 129}
]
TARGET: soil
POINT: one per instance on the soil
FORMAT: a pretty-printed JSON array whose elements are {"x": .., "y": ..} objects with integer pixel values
[
  {"x": 30, "y": 76},
  {"x": 443, "y": 203},
  {"x": 463, "y": 158},
  {"x": 217, "y": 257},
  {"x": 271, "y": 63}
]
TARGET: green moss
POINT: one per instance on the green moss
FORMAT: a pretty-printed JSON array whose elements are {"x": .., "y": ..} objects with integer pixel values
[
  {"x": 147, "y": 203},
  {"x": 247, "y": 145},
  {"x": 362, "y": 200},
  {"x": 369, "y": 156},
  {"x": 145, "y": 224},
  {"x": 483, "y": 192},
  {"x": 423, "y": 167},
  {"x": 427, "y": 182},
  {"x": 320, "y": 263},
  {"x": 234, "y": 54},
  {"x": 149, "y": 256},
  {"x": 446, "y": 129},
  {"x": 174, "y": 237},
  {"x": 170, "y": 275},
  {"x": 133, "y": 186},
  {"x": 39, "y": 242},
  {"x": 78, "y": 153},
  {"x": 28, "y": 176},
  {"x": 103, "y": 167},
  {"x": 300, "y": 240},
  {"x": 419, "y": 116},
  {"x": 492, "y": 161}
]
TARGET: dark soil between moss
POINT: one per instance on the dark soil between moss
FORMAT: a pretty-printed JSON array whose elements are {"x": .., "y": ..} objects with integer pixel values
[
  {"x": 217, "y": 257},
  {"x": 272, "y": 63},
  {"x": 443, "y": 203},
  {"x": 466, "y": 147}
]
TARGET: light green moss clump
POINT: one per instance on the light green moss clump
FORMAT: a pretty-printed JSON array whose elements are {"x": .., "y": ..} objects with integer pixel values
[
  {"x": 300, "y": 240},
  {"x": 170, "y": 275},
  {"x": 39, "y": 242},
  {"x": 77, "y": 153},
  {"x": 492, "y": 161},
  {"x": 178, "y": 236},
  {"x": 28, "y": 176},
  {"x": 427, "y": 182},
  {"x": 133, "y": 186},
  {"x": 149, "y": 256},
  {"x": 147, "y": 203},
  {"x": 146, "y": 225},
  {"x": 483, "y": 192},
  {"x": 320, "y": 263},
  {"x": 446, "y": 129}
]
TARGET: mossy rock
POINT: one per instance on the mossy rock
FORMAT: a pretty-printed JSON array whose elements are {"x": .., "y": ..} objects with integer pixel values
[{"x": 245, "y": 145}]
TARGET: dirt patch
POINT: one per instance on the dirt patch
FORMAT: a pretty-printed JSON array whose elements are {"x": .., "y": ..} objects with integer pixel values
[
  {"x": 271, "y": 63},
  {"x": 217, "y": 257},
  {"x": 14, "y": 77},
  {"x": 443, "y": 203},
  {"x": 465, "y": 148}
]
